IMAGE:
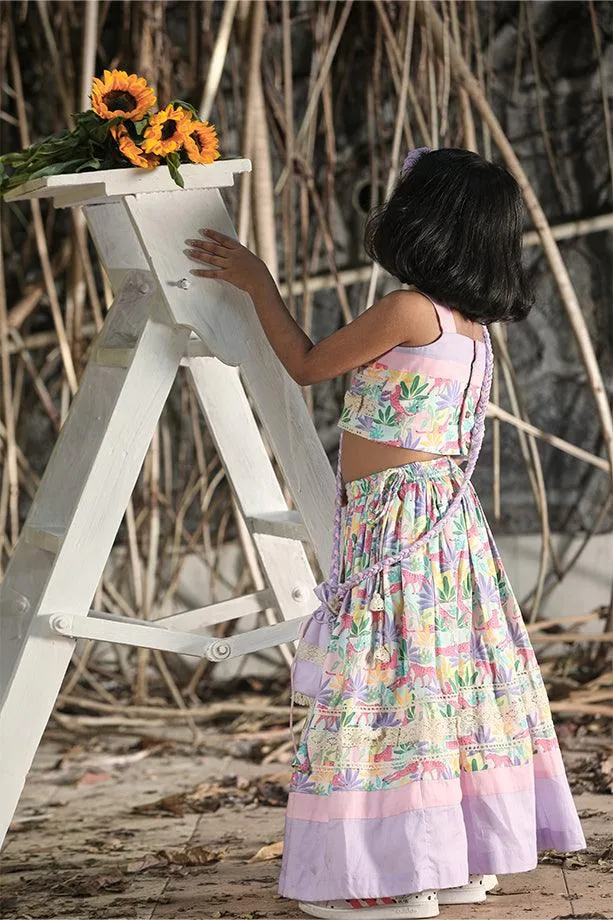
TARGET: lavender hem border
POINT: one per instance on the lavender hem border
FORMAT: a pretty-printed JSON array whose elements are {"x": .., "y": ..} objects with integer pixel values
[{"x": 428, "y": 848}]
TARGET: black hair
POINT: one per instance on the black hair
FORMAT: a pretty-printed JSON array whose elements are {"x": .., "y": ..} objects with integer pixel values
[{"x": 452, "y": 228}]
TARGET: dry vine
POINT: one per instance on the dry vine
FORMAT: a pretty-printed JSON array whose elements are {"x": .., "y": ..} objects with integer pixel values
[{"x": 435, "y": 61}]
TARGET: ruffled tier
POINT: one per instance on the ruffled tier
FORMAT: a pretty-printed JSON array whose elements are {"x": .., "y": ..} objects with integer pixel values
[{"x": 428, "y": 834}]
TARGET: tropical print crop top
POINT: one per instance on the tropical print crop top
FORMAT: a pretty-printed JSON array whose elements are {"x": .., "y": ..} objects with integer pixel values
[{"x": 421, "y": 397}]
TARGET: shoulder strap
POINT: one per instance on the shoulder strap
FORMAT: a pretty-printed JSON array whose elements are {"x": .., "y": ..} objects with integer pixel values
[
  {"x": 333, "y": 580},
  {"x": 446, "y": 317}
]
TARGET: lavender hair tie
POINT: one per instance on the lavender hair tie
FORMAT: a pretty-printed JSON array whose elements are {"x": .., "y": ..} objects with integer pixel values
[{"x": 411, "y": 157}]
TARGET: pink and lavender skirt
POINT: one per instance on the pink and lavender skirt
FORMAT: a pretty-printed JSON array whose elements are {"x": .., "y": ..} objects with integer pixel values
[{"x": 428, "y": 751}]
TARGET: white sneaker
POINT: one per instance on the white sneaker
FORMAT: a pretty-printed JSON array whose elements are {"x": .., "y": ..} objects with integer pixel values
[
  {"x": 421, "y": 904},
  {"x": 472, "y": 893}
]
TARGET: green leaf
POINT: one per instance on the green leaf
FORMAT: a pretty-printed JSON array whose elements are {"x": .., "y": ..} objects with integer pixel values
[
  {"x": 9, "y": 159},
  {"x": 185, "y": 105},
  {"x": 57, "y": 169},
  {"x": 93, "y": 163},
  {"x": 417, "y": 389},
  {"x": 140, "y": 126},
  {"x": 386, "y": 416},
  {"x": 172, "y": 161},
  {"x": 100, "y": 133},
  {"x": 82, "y": 118}
]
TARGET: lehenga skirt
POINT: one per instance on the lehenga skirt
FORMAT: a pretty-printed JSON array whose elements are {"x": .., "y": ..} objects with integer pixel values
[{"x": 428, "y": 752}]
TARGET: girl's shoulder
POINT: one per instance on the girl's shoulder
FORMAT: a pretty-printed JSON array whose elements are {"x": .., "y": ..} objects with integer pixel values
[{"x": 424, "y": 320}]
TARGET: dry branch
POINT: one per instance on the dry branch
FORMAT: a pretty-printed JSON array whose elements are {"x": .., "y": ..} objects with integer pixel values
[{"x": 418, "y": 89}]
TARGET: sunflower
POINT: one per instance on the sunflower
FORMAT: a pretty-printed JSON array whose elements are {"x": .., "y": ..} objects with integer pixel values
[
  {"x": 132, "y": 151},
  {"x": 202, "y": 145},
  {"x": 120, "y": 94},
  {"x": 168, "y": 130}
]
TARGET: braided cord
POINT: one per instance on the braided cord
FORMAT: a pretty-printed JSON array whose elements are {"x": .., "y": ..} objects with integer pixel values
[
  {"x": 336, "y": 546},
  {"x": 340, "y": 589}
]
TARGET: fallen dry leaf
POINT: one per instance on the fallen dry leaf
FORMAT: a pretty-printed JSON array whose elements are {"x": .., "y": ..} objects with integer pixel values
[
  {"x": 270, "y": 851},
  {"x": 91, "y": 778},
  {"x": 192, "y": 856},
  {"x": 150, "y": 861},
  {"x": 606, "y": 768},
  {"x": 87, "y": 886},
  {"x": 189, "y": 856},
  {"x": 229, "y": 791},
  {"x": 175, "y": 804}
]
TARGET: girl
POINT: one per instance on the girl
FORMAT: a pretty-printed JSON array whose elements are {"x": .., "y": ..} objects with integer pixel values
[{"x": 428, "y": 760}]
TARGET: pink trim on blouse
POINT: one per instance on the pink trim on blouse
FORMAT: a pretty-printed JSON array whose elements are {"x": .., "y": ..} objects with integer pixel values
[{"x": 421, "y": 397}]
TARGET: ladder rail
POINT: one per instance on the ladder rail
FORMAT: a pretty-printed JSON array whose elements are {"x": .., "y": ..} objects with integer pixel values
[{"x": 160, "y": 321}]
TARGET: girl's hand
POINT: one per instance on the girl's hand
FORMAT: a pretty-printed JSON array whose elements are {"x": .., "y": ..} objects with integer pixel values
[{"x": 234, "y": 262}]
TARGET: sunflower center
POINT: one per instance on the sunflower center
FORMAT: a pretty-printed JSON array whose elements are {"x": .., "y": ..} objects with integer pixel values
[
  {"x": 169, "y": 128},
  {"x": 120, "y": 99}
]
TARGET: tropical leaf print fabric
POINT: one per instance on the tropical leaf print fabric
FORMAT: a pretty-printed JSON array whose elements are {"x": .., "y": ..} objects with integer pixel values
[
  {"x": 429, "y": 751},
  {"x": 410, "y": 409}
]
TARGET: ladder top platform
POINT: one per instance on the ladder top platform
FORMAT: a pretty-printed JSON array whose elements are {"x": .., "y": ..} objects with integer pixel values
[{"x": 111, "y": 183}]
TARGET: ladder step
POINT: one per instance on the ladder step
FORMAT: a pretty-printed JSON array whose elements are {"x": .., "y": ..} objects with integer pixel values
[
  {"x": 114, "y": 357},
  {"x": 287, "y": 524},
  {"x": 195, "y": 348},
  {"x": 221, "y": 612},
  {"x": 45, "y": 536}
]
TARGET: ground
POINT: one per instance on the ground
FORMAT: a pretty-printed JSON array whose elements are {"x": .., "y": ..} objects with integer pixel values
[{"x": 140, "y": 823}]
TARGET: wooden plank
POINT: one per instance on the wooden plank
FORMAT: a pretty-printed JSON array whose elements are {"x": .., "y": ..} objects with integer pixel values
[
  {"x": 113, "y": 357},
  {"x": 146, "y": 634},
  {"x": 94, "y": 406},
  {"x": 256, "y": 640},
  {"x": 227, "y": 412},
  {"x": 225, "y": 319},
  {"x": 90, "y": 502},
  {"x": 130, "y": 632},
  {"x": 45, "y": 536},
  {"x": 221, "y": 612},
  {"x": 105, "y": 438},
  {"x": 218, "y": 313},
  {"x": 196, "y": 348},
  {"x": 118, "y": 249},
  {"x": 287, "y": 524},
  {"x": 105, "y": 183}
]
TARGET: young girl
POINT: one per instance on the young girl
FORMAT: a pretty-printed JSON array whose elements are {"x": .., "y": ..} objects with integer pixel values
[{"x": 428, "y": 760}]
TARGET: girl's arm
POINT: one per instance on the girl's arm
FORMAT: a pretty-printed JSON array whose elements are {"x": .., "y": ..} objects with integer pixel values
[{"x": 390, "y": 321}]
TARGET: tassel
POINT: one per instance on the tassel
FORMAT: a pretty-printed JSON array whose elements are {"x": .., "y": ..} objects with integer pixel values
[
  {"x": 383, "y": 654},
  {"x": 376, "y": 602}
]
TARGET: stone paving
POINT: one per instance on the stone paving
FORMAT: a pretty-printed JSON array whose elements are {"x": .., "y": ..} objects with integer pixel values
[{"x": 78, "y": 848}]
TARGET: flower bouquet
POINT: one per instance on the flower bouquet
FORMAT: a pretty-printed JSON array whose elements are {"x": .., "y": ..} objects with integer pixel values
[{"x": 121, "y": 129}]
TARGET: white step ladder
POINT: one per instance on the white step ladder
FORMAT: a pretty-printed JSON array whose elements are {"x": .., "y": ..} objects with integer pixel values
[{"x": 161, "y": 318}]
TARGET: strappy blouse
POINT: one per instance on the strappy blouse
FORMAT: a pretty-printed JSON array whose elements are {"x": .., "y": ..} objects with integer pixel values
[{"x": 421, "y": 397}]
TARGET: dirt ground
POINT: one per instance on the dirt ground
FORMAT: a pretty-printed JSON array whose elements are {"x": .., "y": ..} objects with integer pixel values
[{"x": 140, "y": 823}]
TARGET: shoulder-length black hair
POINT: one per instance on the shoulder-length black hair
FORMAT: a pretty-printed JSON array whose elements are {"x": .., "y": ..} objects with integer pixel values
[{"x": 452, "y": 228}]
